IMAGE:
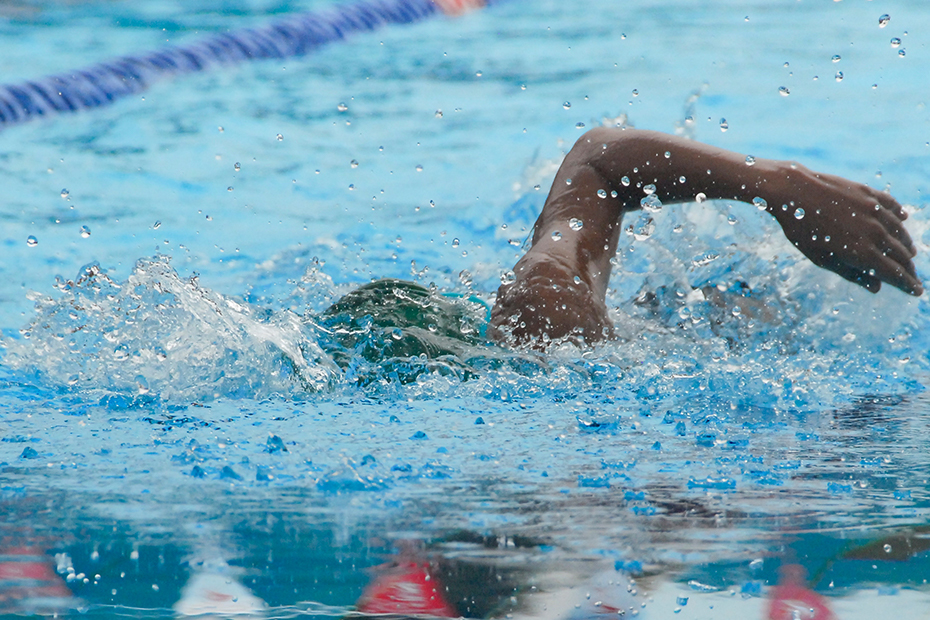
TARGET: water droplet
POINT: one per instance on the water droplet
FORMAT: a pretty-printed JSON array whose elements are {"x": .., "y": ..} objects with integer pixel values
[
  {"x": 635, "y": 92},
  {"x": 579, "y": 125},
  {"x": 826, "y": 238},
  {"x": 576, "y": 280},
  {"x": 839, "y": 76},
  {"x": 602, "y": 193},
  {"x": 649, "y": 189},
  {"x": 31, "y": 241},
  {"x": 760, "y": 203},
  {"x": 887, "y": 548},
  {"x": 613, "y": 193},
  {"x": 625, "y": 181},
  {"x": 508, "y": 277},
  {"x": 280, "y": 137},
  {"x": 567, "y": 105},
  {"x": 902, "y": 53},
  {"x": 568, "y": 181},
  {"x": 750, "y": 160},
  {"x": 651, "y": 203},
  {"x": 237, "y": 167},
  {"x": 65, "y": 193},
  {"x": 229, "y": 189},
  {"x": 156, "y": 225},
  {"x": 351, "y": 187},
  {"x": 556, "y": 235},
  {"x": 736, "y": 311},
  {"x": 575, "y": 224},
  {"x": 895, "y": 42},
  {"x": 836, "y": 58},
  {"x": 668, "y": 154},
  {"x": 342, "y": 107},
  {"x": 419, "y": 168},
  {"x": 883, "y": 20},
  {"x": 783, "y": 91},
  {"x": 85, "y": 232},
  {"x": 701, "y": 197},
  {"x": 731, "y": 220},
  {"x": 644, "y": 228},
  {"x": 438, "y": 114},
  {"x": 799, "y": 213},
  {"x": 455, "y": 242},
  {"x": 681, "y": 179},
  {"x": 724, "y": 125}
]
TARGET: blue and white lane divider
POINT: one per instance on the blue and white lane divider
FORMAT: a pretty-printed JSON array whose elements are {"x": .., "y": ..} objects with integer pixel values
[{"x": 300, "y": 34}]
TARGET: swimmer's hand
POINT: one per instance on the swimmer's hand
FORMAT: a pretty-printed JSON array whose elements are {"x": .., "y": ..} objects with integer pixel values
[{"x": 846, "y": 227}]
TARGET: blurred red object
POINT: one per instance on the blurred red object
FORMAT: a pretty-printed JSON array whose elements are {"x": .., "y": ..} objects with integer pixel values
[
  {"x": 791, "y": 599},
  {"x": 408, "y": 589}
]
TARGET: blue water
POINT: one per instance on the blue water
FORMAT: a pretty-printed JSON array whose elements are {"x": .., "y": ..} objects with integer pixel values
[{"x": 167, "y": 410}]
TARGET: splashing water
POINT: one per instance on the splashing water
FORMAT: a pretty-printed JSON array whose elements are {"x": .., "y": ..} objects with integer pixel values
[{"x": 157, "y": 333}]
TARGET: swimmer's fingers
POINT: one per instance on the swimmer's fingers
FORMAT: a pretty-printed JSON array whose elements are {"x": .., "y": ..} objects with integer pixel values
[
  {"x": 897, "y": 274},
  {"x": 887, "y": 201},
  {"x": 857, "y": 276},
  {"x": 888, "y": 219}
]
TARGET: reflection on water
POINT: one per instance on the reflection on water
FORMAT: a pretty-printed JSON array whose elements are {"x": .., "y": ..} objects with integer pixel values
[{"x": 58, "y": 557}]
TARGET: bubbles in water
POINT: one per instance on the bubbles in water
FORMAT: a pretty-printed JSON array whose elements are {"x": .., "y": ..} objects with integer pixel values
[
  {"x": 556, "y": 235},
  {"x": 455, "y": 242},
  {"x": 280, "y": 137},
  {"x": 651, "y": 203},
  {"x": 65, "y": 193},
  {"x": 901, "y": 53},
  {"x": 760, "y": 203},
  {"x": 783, "y": 91},
  {"x": 750, "y": 160},
  {"x": 579, "y": 125},
  {"x": 883, "y": 20},
  {"x": 799, "y": 213},
  {"x": 419, "y": 168},
  {"x": 731, "y": 220},
  {"x": 625, "y": 181},
  {"x": 237, "y": 167},
  {"x": 701, "y": 197},
  {"x": 156, "y": 225},
  {"x": 896, "y": 42},
  {"x": 31, "y": 241},
  {"x": 724, "y": 125},
  {"x": 85, "y": 232},
  {"x": 342, "y": 107},
  {"x": 438, "y": 114},
  {"x": 836, "y": 58},
  {"x": 575, "y": 224},
  {"x": 649, "y": 189},
  {"x": 354, "y": 163},
  {"x": 567, "y": 105},
  {"x": 839, "y": 76}
]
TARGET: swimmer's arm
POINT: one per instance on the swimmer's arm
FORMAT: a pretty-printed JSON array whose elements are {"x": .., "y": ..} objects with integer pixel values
[{"x": 603, "y": 177}]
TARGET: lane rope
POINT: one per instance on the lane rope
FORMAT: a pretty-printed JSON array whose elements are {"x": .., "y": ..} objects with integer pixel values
[{"x": 296, "y": 35}]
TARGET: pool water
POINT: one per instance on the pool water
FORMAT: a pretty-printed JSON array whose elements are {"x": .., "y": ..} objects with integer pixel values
[{"x": 176, "y": 437}]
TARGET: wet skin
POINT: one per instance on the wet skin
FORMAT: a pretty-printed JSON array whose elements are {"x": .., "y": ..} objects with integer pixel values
[{"x": 561, "y": 282}]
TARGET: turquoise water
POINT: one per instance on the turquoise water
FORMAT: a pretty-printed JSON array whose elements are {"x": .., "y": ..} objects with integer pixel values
[{"x": 171, "y": 422}]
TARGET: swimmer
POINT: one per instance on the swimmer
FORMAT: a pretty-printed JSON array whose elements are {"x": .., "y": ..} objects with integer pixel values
[{"x": 561, "y": 282}]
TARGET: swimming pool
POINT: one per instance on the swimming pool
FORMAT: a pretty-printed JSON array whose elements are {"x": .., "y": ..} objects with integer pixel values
[{"x": 151, "y": 434}]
